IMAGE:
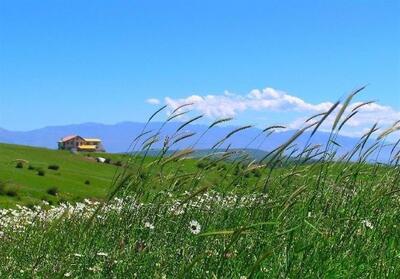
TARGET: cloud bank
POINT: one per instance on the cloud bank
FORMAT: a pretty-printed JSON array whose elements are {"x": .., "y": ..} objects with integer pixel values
[{"x": 272, "y": 100}]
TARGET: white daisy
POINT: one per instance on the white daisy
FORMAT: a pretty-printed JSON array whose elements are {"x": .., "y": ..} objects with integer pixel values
[
  {"x": 367, "y": 224},
  {"x": 195, "y": 227},
  {"x": 149, "y": 225},
  {"x": 102, "y": 254}
]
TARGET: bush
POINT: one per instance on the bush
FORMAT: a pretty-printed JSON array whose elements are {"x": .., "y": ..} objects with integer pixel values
[
  {"x": 54, "y": 167},
  {"x": 19, "y": 165},
  {"x": 87, "y": 182},
  {"x": 12, "y": 193},
  {"x": 30, "y": 167},
  {"x": 201, "y": 164},
  {"x": 53, "y": 191},
  {"x": 41, "y": 173}
]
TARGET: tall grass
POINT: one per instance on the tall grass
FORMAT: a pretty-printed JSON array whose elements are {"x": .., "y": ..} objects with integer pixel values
[{"x": 298, "y": 212}]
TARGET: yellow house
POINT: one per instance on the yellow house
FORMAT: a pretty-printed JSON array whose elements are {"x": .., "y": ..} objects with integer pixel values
[{"x": 79, "y": 143}]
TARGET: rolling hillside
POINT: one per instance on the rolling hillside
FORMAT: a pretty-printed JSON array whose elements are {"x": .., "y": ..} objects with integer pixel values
[{"x": 78, "y": 176}]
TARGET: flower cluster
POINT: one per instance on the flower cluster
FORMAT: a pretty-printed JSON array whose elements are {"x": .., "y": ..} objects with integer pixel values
[{"x": 18, "y": 219}]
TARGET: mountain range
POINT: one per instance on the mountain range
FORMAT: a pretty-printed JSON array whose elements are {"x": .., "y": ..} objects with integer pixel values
[{"x": 118, "y": 137}]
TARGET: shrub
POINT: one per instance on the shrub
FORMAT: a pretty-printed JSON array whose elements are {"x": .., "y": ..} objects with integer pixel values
[
  {"x": 201, "y": 164},
  {"x": 87, "y": 182},
  {"x": 41, "y": 172},
  {"x": 54, "y": 167},
  {"x": 19, "y": 165},
  {"x": 12, "y": 193},
  {"x": 30, "y": 167},
  {"x": 53, "y": 191}
]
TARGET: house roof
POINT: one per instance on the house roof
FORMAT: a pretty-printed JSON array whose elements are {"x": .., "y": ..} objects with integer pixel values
[{"x": 68, "y": 138}]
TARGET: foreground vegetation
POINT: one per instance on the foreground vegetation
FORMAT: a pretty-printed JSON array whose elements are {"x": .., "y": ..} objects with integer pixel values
[{"x": 224, "y": 217}]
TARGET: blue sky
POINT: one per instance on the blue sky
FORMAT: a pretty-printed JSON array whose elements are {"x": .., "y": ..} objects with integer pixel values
[{"x": 64, "y": 62}]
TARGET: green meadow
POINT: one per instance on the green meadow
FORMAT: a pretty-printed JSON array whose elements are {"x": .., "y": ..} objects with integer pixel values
[
  {"x": 219, "y": 215},
  {"x": 76, "y": 178}
]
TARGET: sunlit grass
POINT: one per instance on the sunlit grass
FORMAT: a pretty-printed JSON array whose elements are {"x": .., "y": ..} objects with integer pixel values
[{"x": 308, "y": 215}]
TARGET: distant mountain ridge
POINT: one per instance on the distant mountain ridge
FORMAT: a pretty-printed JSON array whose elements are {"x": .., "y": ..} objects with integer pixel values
[{"x": 118, "y": 137}]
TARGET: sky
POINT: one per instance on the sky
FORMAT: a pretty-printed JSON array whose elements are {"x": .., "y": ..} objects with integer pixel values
[{"x": 261, "y": 62}]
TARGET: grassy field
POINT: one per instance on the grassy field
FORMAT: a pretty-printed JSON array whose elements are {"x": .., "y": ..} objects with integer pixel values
[
  {"x": 220, "y": 216},
  {"x": 26, "y": 187}
]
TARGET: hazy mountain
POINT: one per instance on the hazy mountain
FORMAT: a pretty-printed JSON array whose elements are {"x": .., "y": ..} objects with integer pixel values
[{"x": 118, "y": 137}]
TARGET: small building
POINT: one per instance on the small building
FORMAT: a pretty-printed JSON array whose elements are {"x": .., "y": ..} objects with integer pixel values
[{"x": 78, "y": 143}]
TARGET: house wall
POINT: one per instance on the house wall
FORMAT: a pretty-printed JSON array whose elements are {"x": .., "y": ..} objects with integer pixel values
[{"x": 73, "y": 143}]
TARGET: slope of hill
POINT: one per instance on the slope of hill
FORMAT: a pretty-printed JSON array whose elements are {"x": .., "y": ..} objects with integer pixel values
[
  {"x": 25, "y": 186},
  {"x": 78, "y": 176}
]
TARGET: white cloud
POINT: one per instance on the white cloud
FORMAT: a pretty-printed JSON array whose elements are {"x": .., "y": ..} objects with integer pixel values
[
  {"x": 269, "y": 99},
  {"x": 361, "y": 122},
  {"x": 153, "y": 101},
  {"x": 229, "y": 104}
]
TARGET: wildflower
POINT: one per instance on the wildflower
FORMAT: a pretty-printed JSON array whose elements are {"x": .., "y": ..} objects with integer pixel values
[
  {"x": 78, "y": 255},
  {"x": 68, "y": 274},
  {"x": 101, "y": 254},
  {"x": 94, "y": 269},
  {"x": 264, "y": 269},
  {"x": 194, "y": 227},
  {"x": 178, "y": 211},
  {"x": 367, "y": 224},
  {"x": 149, "y": 225}
]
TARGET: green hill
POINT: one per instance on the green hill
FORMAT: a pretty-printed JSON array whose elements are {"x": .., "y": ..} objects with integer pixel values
[{"x": 78, "y": 176}]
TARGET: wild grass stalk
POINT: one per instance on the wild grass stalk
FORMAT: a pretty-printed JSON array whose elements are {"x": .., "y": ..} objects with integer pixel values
[{"x": 301, "y": 211}]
